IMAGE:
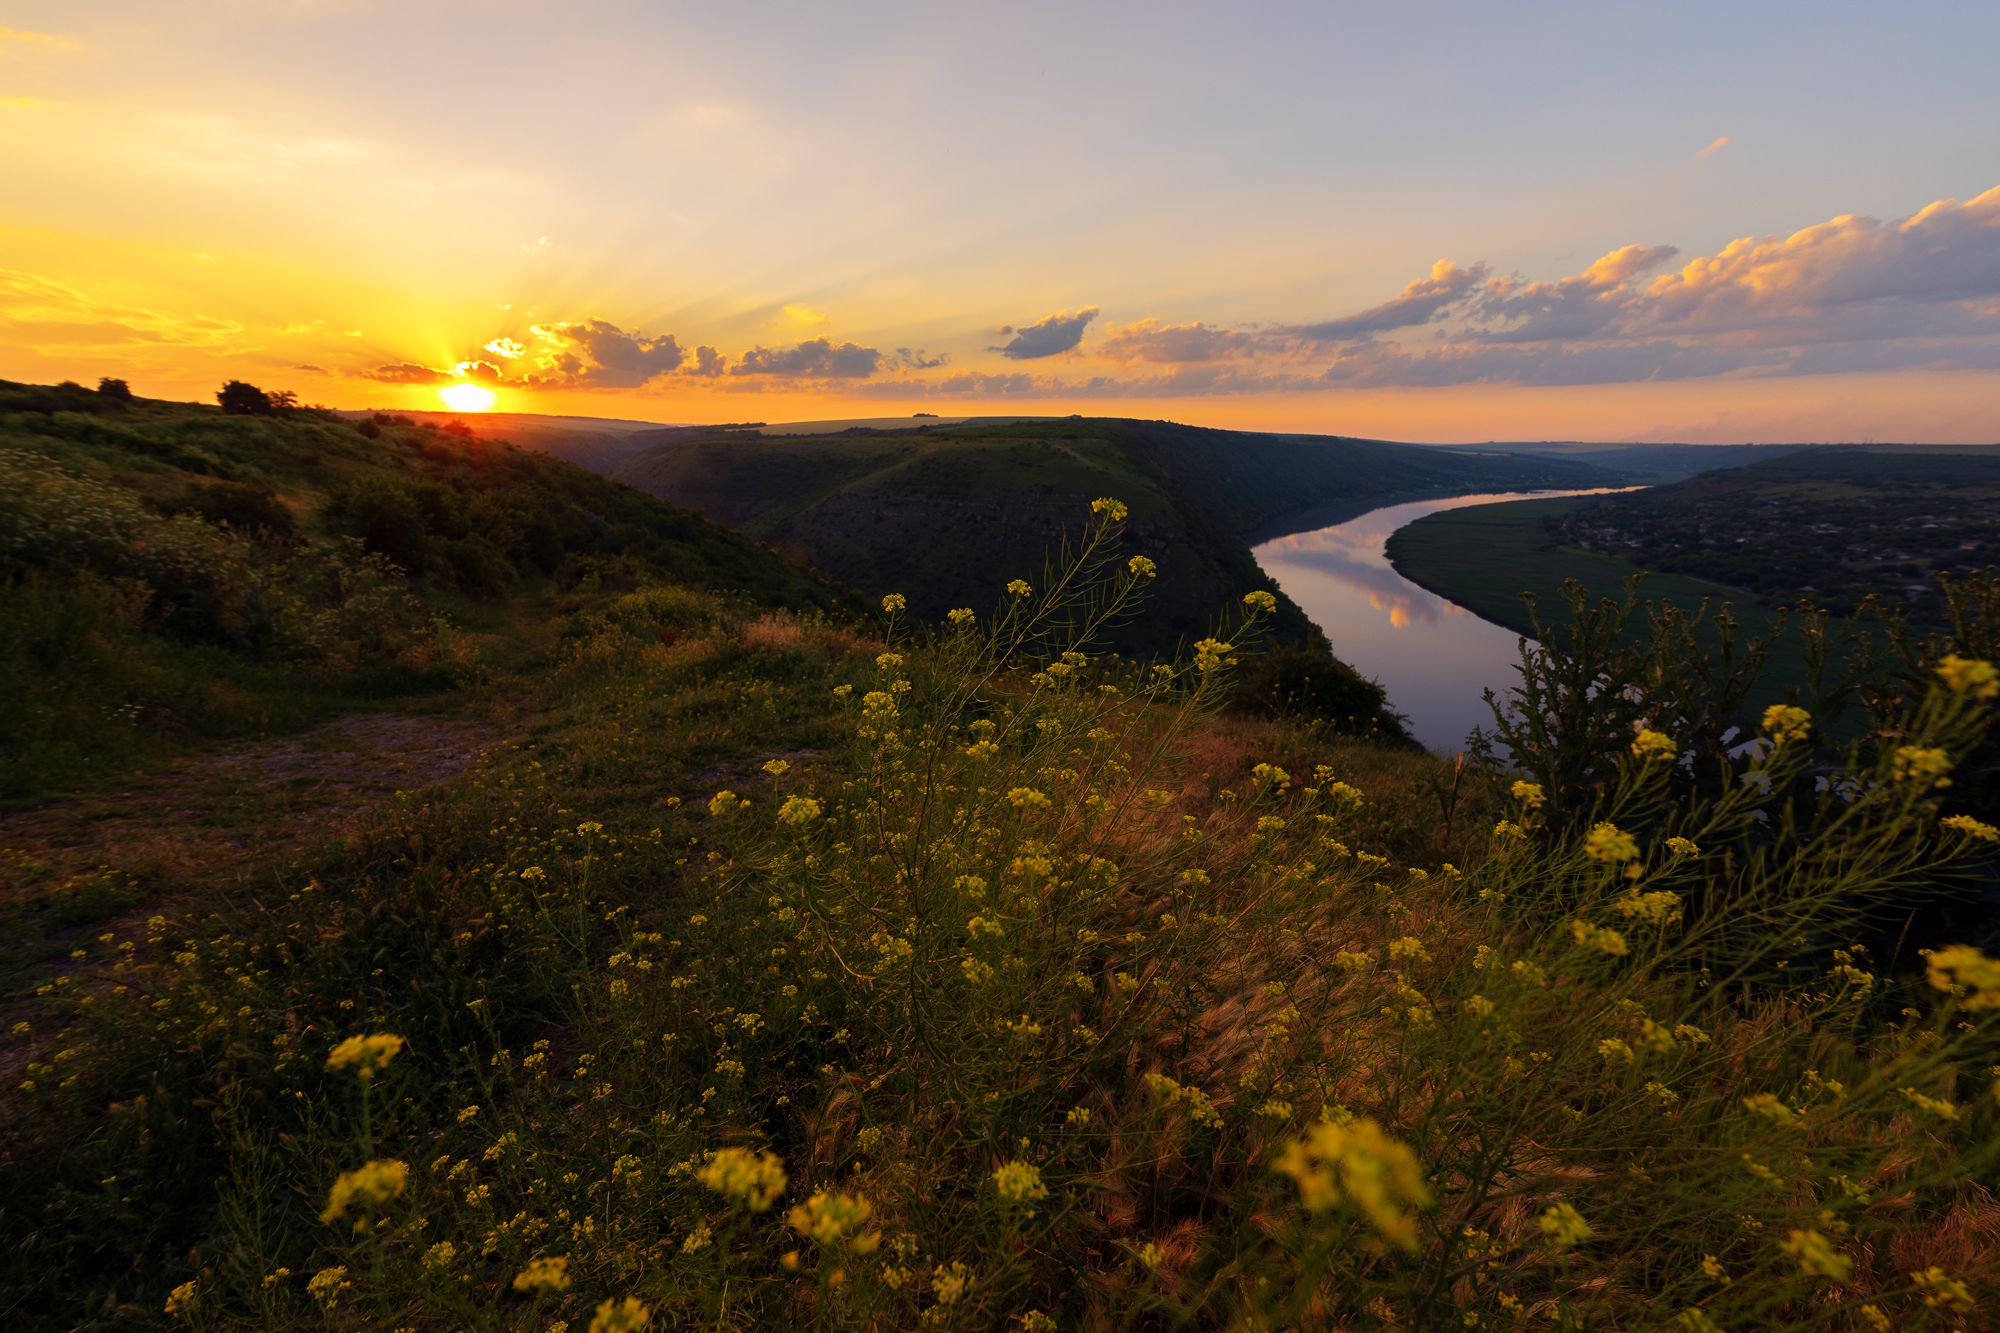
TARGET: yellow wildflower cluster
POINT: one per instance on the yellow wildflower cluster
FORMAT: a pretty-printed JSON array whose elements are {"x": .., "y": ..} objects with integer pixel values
[
  {"x": 1964, "y": 971},
  {"x": 1922, "y": 764},
  {"x": 1140, "y": 567},
  {"x": 799, "y": 810},
  {"x": 365, "y": 1055},
  {"x": 369, "y": 1185},
  {"x": 1963, "y": 675},
  {"x": 1212, "y": 654},
  {"x": 1359, "y": 1164},
  {"x": 1260, "y": 601},
  {"x": 1528, "y": 794},
  {"x": 1650, "y": 745},
  {"x": 1114, "y": 509},
  {"x": 830, "y": 1219},
  {"x": 1019, "y": 588},
  {"x": 621, "y": 1316},
  {"x": 1680, "y": 846},
  {"x": 1972, "y": 828},
  {"x": 1608, "y": 842},
  {"x": 1816, "y": 1255},
  {"x": 1785, "y": 722},
  {"x": 1027, "y": 798},
  {"x": 1019, "y": 1182},
  {"x": 961, "y": 616},
  {"x": 1564, "y": 1226},
  {"x": 894, "y": 604},
  {"x": 548, "y": 1274},
  {"x": 752, "y": 1179},
  {"x": 1601, "y": 938}
]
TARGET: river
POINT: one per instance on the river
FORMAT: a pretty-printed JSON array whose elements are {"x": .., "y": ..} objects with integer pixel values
[{"x": 1434, "y": 656}]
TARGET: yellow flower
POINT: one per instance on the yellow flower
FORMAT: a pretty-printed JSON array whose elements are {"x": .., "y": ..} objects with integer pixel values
[
  {"x": 1410, "y": 947},
  {"x": 1507, "y": 828},
  {"x": 1608, "y": 842},
  {"x": 752, "y": 1179},
  {"x": 1783, "y": 722},
  {"x": 1528, "y": 794},
  {"x": 1107, "y": 505},
  {"x": 1019, "y": 1182},
  {"x": 1966, "y": 972},
  {"x": 1943, "y": 1291},
  {"x": 1683, "y": 847},
  {"x": 370, "y": 1185},
  {"x": 1360, "y": 1165},
  {"x": 1650, "y": 745},
  {"x": 1141, "y": 567},
  {"x": 1969, "y": 676},
  {"x": 326, "y": 1285},
  {"x": 440, "y": 1255},
  {"x": 1771, "y": 1108},
  {"x": 1563, "y": 1225},
  {"x": 183, "y": 1299},
  {"x": 1210, "y": 654},
  {"x": 623, "y": 1316},
  {"x": 1260, "y": 601},
  {"x": 1020, "y": 588},
  {"x": 723, "y": 802},
  {"x": 1816, "y": 1255},
  {"x": 827, "y": 1218},
  {"x": 1972, "y": 828},
  {"x": 548, "y": 1274},
  {"x": 799, "y": 810},
  {"x": 1601, "y": 938},
  {"x": 894, "y": 604},
  {"x": 365, "y": 1055},
  {"x": 1027, "y": 798},
  {"x": 961, "y": 616},
  {"x": 1924, "y": 765},
  {"x": 951, "y": 1282}
]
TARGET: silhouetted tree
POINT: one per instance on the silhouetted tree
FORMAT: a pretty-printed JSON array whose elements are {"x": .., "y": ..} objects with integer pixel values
[
  {"x": 244, "y": 400},
  {"x": 118, "y": 391}
]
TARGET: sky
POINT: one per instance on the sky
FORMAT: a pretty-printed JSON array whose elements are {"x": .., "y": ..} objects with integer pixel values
[{"x": 1428, "y": 221}]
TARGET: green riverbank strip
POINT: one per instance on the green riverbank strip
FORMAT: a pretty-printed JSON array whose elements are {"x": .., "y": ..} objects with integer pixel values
[{"x": 1485, "y": 556}]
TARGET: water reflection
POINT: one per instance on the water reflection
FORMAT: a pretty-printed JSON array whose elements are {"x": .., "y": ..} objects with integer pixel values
[{"x": 1435, "y": 656}]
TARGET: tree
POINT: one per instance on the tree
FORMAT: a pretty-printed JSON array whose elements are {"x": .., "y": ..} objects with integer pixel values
[
  {"x": 118, "y": 391},
  {"x": 243, "y": 400}
]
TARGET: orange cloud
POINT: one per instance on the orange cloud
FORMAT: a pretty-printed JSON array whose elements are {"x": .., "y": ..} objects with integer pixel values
[{"x": 1721, "y": 142}]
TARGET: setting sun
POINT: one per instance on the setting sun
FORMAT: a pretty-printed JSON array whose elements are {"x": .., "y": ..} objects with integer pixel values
[{"x": 468, "y": 397}]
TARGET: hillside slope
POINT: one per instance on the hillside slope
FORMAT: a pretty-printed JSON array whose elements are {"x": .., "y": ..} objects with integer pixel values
[
  {"x": 870, "y": 508},
  {"x": 170, "y": 572}
]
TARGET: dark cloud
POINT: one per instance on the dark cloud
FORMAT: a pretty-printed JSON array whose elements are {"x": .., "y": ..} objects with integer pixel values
[
  {"x": 595, "y": 353},
  {"x": 406, "y": 372},
  {"x": 916, "y": 359},
  {"x": 1421, "y": 302},
  {"x": 708, "y": 363},
  {"x": 1048, "y": 337},
  {"x": 816, "y": 358}
]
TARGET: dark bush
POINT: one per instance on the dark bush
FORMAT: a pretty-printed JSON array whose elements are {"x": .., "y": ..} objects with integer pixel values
[
  {"x": 249, "y": 508},
  {"x": 244, "y": 400},
  {"x": 113, "y": 390}
]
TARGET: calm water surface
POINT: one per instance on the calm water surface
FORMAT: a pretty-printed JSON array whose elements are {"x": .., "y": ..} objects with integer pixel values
[{"x": 1434, "y": 656}]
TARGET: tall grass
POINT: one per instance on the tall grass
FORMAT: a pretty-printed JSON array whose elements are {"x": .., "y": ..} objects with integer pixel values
[{"x": 948, "y": 977}]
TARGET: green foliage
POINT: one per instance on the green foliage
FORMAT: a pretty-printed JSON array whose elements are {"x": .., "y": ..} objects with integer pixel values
[{"x": 955, "y": 978}]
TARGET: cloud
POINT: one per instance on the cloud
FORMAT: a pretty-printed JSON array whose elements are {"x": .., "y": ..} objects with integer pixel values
[
  {"x": 1422, "y": 301},
  {"x": 916, "y": 359},
  {"x": 595, "y": 353},
  {"x": 1150, "y": 340},
  {"x": 1048, "y": 337},
  {"x": 1721, "y": 142},
  {"x": 53, "y": 316},
  {"x": 805, "y": 314},
  {"x": 817, "y": 358},
  {"x": 405, "y": 372}
]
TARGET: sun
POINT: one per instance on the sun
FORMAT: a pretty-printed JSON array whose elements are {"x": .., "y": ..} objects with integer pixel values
[{"x": 468, "y": 397}]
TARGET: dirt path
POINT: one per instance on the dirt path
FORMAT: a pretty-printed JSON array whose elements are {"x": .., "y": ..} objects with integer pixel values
[{"x": 208, "y": 816}]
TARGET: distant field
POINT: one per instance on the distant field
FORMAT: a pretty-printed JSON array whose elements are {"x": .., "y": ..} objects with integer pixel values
[{"x": 1484, "y": 557}]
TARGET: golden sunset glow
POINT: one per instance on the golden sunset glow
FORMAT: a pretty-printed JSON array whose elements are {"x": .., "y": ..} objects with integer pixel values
[{"x": 468, "y": 397}]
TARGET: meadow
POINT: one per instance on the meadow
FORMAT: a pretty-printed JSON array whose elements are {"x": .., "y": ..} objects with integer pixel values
[{"x": 885, "y": 973}]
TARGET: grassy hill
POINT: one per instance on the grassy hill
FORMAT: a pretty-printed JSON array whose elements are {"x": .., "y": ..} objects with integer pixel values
[
  {"x": 933, "y": 513},
  {"x": 169, "y": 572},
  {"x": 769, "y": 971}
]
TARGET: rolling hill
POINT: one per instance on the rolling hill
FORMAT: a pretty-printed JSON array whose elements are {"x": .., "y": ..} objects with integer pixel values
[{"x": 946, "y": 515}]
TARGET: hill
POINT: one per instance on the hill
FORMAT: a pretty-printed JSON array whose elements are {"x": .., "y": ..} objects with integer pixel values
[
  {"x": 770, "y": 972},
  {"x": 1660, "y": 463},
  {"x": 932, "y": 512},
  {"x": 170, "y": 572}
]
